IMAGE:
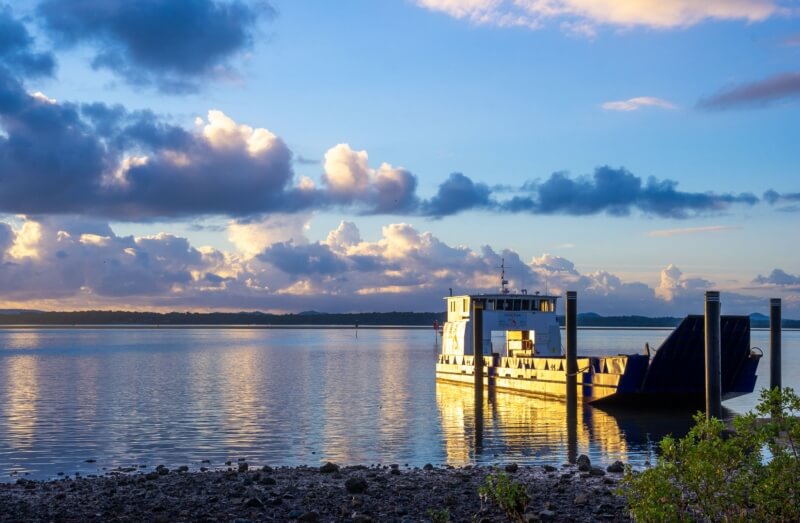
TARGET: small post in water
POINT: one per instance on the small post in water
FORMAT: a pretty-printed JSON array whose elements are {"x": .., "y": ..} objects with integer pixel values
[
  {"x": 713, "y": 356},
  {"x": 477, "y": 350},
  {"x": 571, "y": 320},
  {"x": 775, "y": 343}
]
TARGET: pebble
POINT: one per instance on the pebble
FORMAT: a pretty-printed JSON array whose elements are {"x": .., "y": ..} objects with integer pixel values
[
  {"x": 329, "y": 467},
  {"x": 355, "y": 485},
  {"x": 617, "y": 467},
  {"x": 584, "y": 463}
]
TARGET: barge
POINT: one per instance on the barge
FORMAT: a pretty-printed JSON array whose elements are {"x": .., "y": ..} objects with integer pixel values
[{"x": 532, "y": 362}]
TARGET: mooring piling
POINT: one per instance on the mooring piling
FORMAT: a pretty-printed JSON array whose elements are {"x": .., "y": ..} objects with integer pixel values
[
  {"x": 713, "y": 356},
  {"x": 477, "y": 350},
  {"x": 571, "y": 321},
  {"x": 775, "y": 343}
]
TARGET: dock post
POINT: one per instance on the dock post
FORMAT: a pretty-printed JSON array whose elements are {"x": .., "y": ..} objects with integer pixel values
[
  {"x": 571, "y": 319},
  {"x": 477, "y": 351},
  {"x": 775, "y": 343},
  {"x": 713, "y": 356}
]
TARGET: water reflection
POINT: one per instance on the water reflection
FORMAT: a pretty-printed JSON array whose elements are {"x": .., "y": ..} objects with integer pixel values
[
  {"x": 523, "y": 428},
  {"x": 21, "y": 394}
]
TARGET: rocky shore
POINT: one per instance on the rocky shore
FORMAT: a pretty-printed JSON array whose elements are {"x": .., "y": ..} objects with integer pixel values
[{"x": 390, "y": 493}]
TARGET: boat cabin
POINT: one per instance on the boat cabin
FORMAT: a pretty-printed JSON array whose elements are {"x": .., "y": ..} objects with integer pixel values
[{"x": 528, "y": 321}]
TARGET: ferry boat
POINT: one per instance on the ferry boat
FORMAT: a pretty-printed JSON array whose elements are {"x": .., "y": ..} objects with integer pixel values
[{"x": 532, "y": 361}]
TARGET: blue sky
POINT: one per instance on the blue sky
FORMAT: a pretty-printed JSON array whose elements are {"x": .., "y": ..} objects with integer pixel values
[{"x": 622, "y": 149}]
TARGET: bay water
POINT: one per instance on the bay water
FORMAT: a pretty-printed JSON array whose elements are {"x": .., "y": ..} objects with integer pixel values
[{"x": 91, "y": 400}]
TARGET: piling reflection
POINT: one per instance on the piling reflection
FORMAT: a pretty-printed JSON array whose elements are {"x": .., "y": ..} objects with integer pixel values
[{"x": 526, "y": 429}]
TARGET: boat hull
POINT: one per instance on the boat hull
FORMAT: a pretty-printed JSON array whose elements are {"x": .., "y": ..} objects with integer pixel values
[{"x": 674, "y": 377}]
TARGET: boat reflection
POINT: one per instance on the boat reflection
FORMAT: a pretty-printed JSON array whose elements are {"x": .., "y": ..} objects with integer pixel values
[{"x": 538, "y": 430}]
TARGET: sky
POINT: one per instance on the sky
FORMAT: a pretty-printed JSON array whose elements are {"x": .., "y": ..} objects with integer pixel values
[{"x": 371, "y": 155}]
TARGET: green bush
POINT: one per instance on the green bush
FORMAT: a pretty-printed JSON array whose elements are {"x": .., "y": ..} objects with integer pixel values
[
  {"x": 509, "y": 495},
  {"x": 441, "y": 515},
  {"x": 713, "y": 474}
]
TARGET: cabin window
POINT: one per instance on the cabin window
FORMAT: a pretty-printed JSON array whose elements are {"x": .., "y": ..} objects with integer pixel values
[
  {"x": 489, "y": 305},
  {"x": 465, "y": 304},
  {"x": 526, "y": 305},
  {"x": 517, "y": 304}
]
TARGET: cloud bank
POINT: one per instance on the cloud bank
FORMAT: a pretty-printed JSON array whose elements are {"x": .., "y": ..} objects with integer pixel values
[
  {"x": 79, "y": 263},
  {"x": 174, "y": 46},
  {"x": 583, "y": 16}
]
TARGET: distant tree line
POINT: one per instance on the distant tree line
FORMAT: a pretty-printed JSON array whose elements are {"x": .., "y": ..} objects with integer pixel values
[{"x": 311, "y": 318}]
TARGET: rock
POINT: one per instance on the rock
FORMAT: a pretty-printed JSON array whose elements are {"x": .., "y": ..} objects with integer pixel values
[
  {"x": 267, "y": 469},
  {"x": 395, "y": 472},
  {"x": 584, "y": 464},
  {"x": 254, "y": 502},
  {"x": 311, "y": 517},
  {"x": 549, "y": 468},
  {"x": 361, "y": 518},
  {"x": 329, "y": 467},
  {"x": 152, "y": 475},
  {"x": 90, "y": 461},
  {"x": 267, "y": 481},
  {"x": 295, "y": 514},
  {"x": 243, "y": 466},
  {"x": 597, "y": 471},
  {"x": 183, "y": 468},
  {"x": 547, "y": 515},
  {"x": 427, "y": 466},
  {"x": 617, "y": 467},
  {"x": 530, "y": 517},
  {"x": 581, "y": 499},
  {"x": 512, "y": 467}
]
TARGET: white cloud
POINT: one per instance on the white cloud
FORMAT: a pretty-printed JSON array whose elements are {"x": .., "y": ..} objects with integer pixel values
[
  {"x": 582, "y": 16},
  {"x": 634, "y": 104},
  {"x": 666, "y": 233},
  {"x": 252, "y": 237}
]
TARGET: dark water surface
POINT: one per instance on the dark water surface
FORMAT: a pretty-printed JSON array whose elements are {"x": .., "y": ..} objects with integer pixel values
[{"x": 131, "y": 397}]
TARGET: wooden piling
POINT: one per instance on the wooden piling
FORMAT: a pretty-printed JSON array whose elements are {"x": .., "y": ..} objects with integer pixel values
[
  {"x": 775, "y": 343},
  {"x": 571, "y": 321},
  {"x": 713, "y": 356},
  {"x": 477, "y": 350}
]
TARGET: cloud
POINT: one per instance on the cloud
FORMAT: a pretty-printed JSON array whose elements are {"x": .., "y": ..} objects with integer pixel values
[
  {"x": 172, "y": 45},
  {"x": 775, "y": 198},
  {"x": 665, "y": 233},
  {"x": 587, "y": 14},
  {"x": 16, "y": 48},
  {"x": 780, "y": 278},
  {"x": 634, "y": 104},
  {"x": 350, "y": 181},
  {"x": 756, "y": 94},
  {"x": 618, "y": 192},
  {"x": 457, "y": 193},
  {"x": 792, "y": 40},
  {"x": 674, "y": 285}
]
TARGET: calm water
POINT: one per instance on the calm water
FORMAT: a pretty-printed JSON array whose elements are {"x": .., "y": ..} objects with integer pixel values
[{"x": 133, "y": 397}]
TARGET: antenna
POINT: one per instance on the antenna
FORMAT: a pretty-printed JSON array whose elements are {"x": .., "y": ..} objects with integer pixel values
[{"x": 503, "y": 280}]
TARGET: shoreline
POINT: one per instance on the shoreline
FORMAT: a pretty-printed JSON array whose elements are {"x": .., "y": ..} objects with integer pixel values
[{"x": 390, "y": 493}]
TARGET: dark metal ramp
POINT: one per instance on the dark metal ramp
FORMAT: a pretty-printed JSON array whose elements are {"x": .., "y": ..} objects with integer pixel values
[{"x": 678, "y": 366}]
